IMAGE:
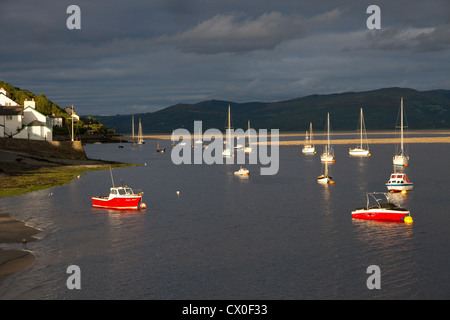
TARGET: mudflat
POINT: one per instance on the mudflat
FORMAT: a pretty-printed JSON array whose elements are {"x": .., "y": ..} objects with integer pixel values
[{"x": 14, "y": 231}]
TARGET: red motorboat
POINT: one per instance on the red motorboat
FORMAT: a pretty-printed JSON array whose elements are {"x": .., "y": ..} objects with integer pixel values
[
  {"x": 387, "y": 211},
  {"x": 119, "y": 198}
]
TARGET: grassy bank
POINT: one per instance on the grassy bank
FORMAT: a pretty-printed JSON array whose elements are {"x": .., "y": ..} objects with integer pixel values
[{"x": 20, "y": 178}]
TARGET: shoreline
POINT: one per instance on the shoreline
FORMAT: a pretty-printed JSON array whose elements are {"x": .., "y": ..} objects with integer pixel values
[
  {"x": 439, "y": 136},
  {"x": 14, "y": 231},
  {"x": 21, "y": 173}
]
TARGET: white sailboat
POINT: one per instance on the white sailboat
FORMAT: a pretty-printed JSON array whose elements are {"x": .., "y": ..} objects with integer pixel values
[
  {"x": 362, "y": 150},
  {"x": 199, "y": 138},
  {"x": 140, "y": 136},
  {"x": 248, "y": 148},
  {"x": 328, "y": 154},
  {"x": 309, "y": 144},
  {"x": 401, "y": 158},
  {"x": 242, "y": 172},
  {"x": 227, "y": 152},
  {"x": 132, "y": 130},
  {"x": 325, "y": 178}
]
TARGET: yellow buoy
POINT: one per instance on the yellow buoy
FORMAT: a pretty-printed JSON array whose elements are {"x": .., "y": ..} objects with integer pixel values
[
  {"x": 403, "y": 191},
  {"x": 408, "y": 220},
  {"x": 331, "y": 182},
  {"x": 143, "y": 205}
]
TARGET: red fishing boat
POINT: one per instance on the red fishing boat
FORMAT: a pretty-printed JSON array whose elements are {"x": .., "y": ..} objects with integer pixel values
[
  {"x": 122, "y": 197},
  {"x": 387, "y": 211},
  {"x": 119, "y": 198}
]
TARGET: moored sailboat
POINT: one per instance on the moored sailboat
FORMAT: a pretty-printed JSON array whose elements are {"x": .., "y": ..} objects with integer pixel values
[
  {"x": 309, "y": 144},
  {"x": 248, "y": 148},
  {"x": 242, "y": 172},
  {"x": 227, "y": 152},
  {"x": 328, "y": 154},
  {"x": 133, "y": 141},
  {"x": 401, "y": 158},
  {"x": 325, "y": 178},
  {"x": 362, "y": 149},
  {"x": 140, "y": 135}
]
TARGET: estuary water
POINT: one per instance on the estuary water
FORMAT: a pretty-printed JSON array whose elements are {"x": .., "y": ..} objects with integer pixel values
[{"x": 282, "y": 237}]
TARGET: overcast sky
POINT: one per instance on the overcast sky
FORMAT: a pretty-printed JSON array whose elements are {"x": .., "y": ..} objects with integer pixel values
[{"x": 139, "y": 56}]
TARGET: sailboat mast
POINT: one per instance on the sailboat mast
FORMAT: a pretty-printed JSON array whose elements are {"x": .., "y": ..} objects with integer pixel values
[
  {"x": 72, "y": 125},
  {"x": 229, "y": 117},
  {"x": 328, "y": 137},
  {"x": 401, "y": 125},
  {"x": 229, "y": 126},
  {"x": 361, "y": 138},
  {"x": 132, "y": 125},
  {"x": 140, "y": 130}
]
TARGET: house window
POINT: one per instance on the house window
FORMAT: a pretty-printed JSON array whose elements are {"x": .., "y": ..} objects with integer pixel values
[{"x": 8, "y": 117}]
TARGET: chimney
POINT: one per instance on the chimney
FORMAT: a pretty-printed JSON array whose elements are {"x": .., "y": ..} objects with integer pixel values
[{"x": 31, "y": 103}]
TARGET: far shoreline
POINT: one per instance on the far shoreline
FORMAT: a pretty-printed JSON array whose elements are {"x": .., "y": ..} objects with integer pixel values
[{"x": 420, "y": 136}]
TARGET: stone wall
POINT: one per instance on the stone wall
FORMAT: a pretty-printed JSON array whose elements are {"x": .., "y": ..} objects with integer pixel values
[{"x": 48, "y": 149}]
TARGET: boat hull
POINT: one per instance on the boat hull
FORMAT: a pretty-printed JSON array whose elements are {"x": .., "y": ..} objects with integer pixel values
[
  {"x": 379, "y": 214},
  {"x": 117, "y": 203},
  {"x": 226, "y": 153},
  {"x": 399, "y": 182},
  {"x": 309, "y": 150},
  {"x": 399, "y": 187},
  {"x": 327, "y": 158},
  {"x": 400, "y": 161},
  {"x": 323, "y": 179},
  {"x": 359, "y": 152}
]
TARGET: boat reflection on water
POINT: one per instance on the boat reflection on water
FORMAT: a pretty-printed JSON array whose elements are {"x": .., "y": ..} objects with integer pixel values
[{"x": 117, "y": 212}]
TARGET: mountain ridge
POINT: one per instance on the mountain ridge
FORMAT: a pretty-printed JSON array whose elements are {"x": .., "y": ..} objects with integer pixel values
[{"x": 424, "y": 110}]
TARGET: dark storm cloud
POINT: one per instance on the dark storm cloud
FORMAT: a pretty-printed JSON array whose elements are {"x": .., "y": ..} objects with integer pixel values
[{"x": 137, "y": 56}]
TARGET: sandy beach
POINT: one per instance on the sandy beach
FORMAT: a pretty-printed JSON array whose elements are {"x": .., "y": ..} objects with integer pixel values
[
  {"x": 425, "y": 136},
  {"x": 14, "y": 231}
]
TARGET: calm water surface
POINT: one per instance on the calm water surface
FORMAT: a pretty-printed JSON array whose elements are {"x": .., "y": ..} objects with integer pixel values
[{"x": 224, "y": 237}]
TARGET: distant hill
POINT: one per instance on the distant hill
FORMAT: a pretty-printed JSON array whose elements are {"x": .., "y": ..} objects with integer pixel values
[{"x": 424, "y": 110}]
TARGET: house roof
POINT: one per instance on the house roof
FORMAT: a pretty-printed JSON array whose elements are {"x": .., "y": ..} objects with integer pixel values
[
  {"x": 36, "y": 123},
  {"x": 13, "y": 110}
]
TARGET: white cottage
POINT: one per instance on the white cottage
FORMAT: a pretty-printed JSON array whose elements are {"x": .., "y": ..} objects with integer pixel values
[
  {"x": 23, "y": 122},
  {"x": 5, "y": 100}
]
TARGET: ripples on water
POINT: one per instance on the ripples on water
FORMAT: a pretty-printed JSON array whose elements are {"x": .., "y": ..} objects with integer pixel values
[{"x": 223, "y": 237}]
